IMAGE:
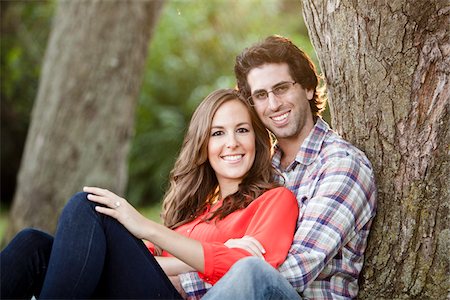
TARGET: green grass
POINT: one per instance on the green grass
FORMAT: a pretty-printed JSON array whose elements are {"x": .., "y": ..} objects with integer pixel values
[{"x": 3, "y": 221}]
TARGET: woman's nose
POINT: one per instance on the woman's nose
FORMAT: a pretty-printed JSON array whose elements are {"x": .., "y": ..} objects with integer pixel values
[{"x": 232, "y": 142}]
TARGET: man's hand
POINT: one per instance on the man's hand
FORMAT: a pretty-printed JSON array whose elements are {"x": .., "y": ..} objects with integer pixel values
[{"x": 249, "y": 244}]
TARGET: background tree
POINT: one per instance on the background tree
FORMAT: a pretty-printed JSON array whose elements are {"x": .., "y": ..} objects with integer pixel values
[
  {"x": 24, "y": 31},
  {"x": 83, "y": 117},
  {"x": 387, "y": 66}
]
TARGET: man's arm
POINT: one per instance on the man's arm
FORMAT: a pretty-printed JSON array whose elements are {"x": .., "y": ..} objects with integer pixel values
[{"x": 341, "y": 203}]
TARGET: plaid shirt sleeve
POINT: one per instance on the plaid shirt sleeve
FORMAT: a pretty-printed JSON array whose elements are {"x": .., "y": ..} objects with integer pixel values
[
  {"x": 193, "y": 286},
  {"x": 340, "y": 203}
]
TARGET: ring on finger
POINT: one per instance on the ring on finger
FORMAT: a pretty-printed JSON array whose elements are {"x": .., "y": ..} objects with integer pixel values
[{"x": 117, "y": 203}]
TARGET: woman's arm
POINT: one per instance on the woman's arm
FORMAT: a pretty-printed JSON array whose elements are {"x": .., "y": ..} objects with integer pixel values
[
  {"x": 187, "y": 250},
  {"x": 173, "y": 266},
  {"x": 272, "y": 224}
]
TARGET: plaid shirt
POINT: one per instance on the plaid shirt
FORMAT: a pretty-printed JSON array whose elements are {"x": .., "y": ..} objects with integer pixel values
[{"x": 335, "y": 189}]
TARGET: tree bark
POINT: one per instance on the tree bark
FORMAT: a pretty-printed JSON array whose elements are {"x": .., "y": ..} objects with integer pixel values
[
  {"x": 386, "y": 66},
  {"x": 83, "y": 116}
]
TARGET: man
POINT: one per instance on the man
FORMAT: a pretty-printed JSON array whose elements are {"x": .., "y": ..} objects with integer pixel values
[{"x": 332, "y": 180}]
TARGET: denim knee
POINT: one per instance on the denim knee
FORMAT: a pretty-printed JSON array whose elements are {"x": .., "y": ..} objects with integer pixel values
[
  {"x": 31, "y": 236},
  {"x": 79, "y": 197},
  {"x": 253, "y": 263},
  {"x": 77, "y": 201},
  {"x": 249, "y": 278},
  {"x": 252, "y": 266}
]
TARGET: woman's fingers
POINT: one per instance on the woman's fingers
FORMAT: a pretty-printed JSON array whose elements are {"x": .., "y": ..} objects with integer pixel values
[
  {"x": 242, "y": 244},
  {"x": 101, "y": 200},
  {"x": 103, "y": 196},
  {"x": 107, "y": 211},
  {"x": 95, "y": 190},
  {"x": 249, "y": 244},
  {"x": 255, "y": 243}
]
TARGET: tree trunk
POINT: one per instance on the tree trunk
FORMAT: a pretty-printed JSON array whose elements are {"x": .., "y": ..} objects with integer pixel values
[
  {"x": 83, "y": 117},
  {"x": 386, "y": 66}
]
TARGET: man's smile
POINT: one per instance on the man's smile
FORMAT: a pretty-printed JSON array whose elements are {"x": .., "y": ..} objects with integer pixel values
[{"x": 280, "y": 119}]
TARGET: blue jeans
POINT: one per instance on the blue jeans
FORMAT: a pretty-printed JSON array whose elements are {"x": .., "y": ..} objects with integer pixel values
[
  {"x": 252, "y": 278},
  {"x": 91, "y": 256}
]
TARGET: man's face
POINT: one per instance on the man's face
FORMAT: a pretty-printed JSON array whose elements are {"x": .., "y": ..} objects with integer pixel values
[{"x": 288, "y": 116}]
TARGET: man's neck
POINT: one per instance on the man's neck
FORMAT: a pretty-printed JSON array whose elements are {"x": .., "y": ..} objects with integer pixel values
[
  {"x": 289, "y": 150},
  {"x": 291, "y": 146}
]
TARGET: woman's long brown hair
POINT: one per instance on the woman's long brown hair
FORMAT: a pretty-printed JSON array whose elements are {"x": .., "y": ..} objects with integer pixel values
[{"x": 193, "y": 182}]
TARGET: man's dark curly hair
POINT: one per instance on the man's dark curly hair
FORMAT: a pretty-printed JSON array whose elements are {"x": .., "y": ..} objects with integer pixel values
[{"x": 278, "y": 49}]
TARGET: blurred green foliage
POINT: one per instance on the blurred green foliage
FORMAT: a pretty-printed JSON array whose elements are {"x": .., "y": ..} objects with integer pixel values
[{"x": 191, "y": 54}]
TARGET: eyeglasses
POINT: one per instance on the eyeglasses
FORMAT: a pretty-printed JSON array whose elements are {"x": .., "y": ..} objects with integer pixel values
[{"x": 260, "y": 97}]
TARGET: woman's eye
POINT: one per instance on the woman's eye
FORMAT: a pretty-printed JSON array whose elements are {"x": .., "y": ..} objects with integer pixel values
[
  {"x": 242, "y": 130},
  {"x": 217, "y": 133}
]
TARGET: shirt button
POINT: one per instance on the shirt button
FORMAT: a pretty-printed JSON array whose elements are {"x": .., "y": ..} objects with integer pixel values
[{"x": 188, "y": 230}]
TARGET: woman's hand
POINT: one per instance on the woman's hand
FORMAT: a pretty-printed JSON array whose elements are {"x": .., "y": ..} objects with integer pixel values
[
  {"x": 119, "y": 209},
  {"x": 249, "y": 244},
  {"x": 186, "y": 249}
]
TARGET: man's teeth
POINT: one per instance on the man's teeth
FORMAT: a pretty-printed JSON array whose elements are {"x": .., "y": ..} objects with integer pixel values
[
  {"x": 232, "y": 157},
  {"x": 281, "y": 117}
]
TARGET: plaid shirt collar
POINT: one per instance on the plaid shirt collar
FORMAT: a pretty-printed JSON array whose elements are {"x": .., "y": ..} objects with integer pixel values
[{"x": 309, "y": 149}]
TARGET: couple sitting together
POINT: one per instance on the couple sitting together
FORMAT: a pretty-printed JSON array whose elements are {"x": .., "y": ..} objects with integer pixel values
[{"x": 243, "y": 219}]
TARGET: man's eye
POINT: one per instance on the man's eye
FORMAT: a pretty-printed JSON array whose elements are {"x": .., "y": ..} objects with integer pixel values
[
  {"x": 260, "y": 95},
  {"x": 281, "y": 88}
]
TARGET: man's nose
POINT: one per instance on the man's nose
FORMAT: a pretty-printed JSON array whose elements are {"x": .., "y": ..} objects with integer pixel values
[{"x": 274, "y": 103}]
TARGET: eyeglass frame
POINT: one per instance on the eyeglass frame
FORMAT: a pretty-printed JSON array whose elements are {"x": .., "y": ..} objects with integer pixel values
[{"x": 251, "y": 100}]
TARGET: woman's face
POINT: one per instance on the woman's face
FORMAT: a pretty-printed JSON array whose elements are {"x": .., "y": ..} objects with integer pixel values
[{"x": 231, "y": 146}]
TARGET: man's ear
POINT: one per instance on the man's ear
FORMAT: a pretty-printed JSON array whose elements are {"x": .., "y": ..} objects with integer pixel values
[{"x": 309, "y": 94}]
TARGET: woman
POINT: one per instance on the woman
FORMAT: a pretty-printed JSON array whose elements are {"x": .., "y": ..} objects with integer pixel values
[{"x": 220, "y": 188}]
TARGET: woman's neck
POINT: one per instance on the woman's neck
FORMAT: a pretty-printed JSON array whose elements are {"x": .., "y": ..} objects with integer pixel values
[{"x": 229, "y": 188}]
